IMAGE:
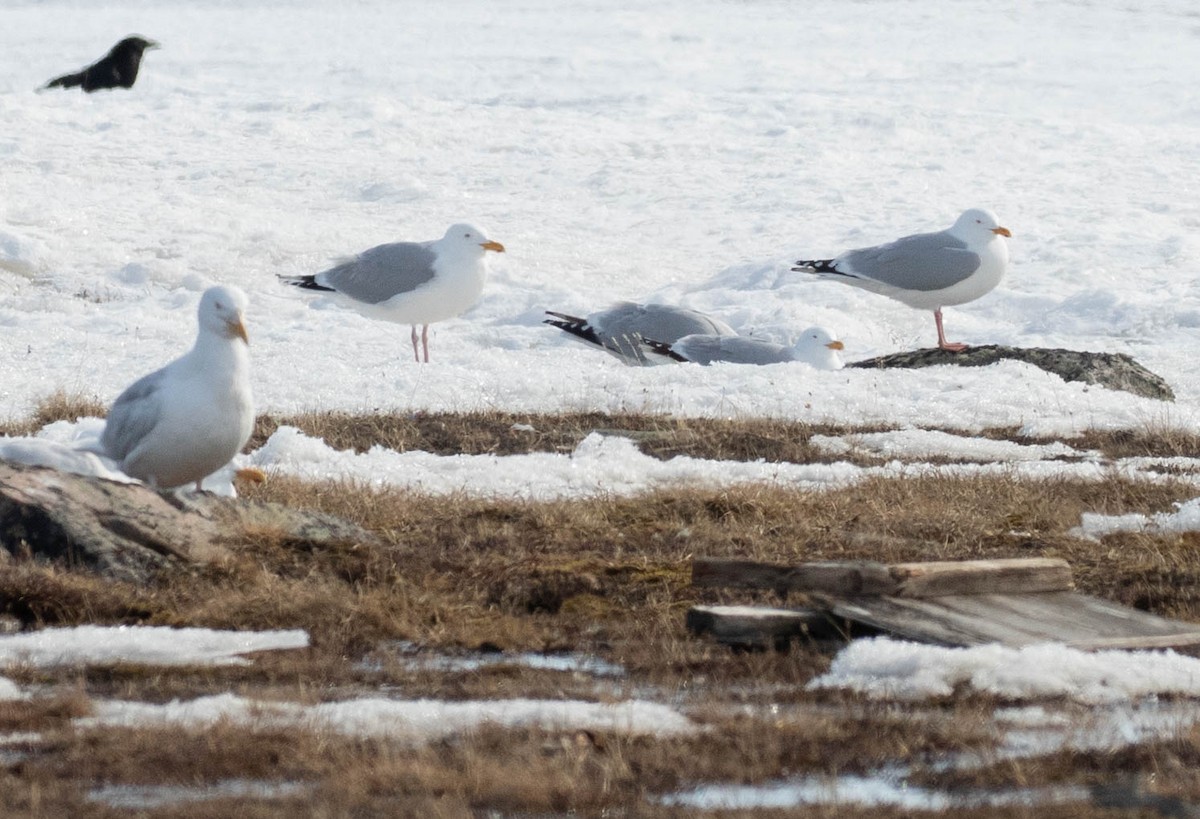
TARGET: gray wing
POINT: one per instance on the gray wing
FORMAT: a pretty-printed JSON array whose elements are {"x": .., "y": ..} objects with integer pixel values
[
  {"x": 382, "y": 272},
  {"x": 133, "y": 415},
  {"x": 926, "y": 261},
  {"x": 660, "y": 322},
  {"x": 705, "y": 349}
]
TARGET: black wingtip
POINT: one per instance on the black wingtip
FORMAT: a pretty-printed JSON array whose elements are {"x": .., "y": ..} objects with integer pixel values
[
  {"x": 663, "y": 349},
  {"x": 305, "y": 283},
  {"x": 574, "y": 325},
  {"x": 815, "y": 266}
]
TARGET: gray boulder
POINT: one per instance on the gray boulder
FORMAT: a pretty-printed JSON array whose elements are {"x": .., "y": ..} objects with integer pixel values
[
  {"x": 129, "y": 531},
  {"x": 1115, "y": 371}
]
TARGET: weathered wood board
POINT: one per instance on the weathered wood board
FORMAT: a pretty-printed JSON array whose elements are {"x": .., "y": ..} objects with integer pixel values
[
  {"x": 756, "y": 625},
  {"x": 866, "y": 578},
  {"x": 1064, "y": 617},
  {"x": 1010, "y": 602}
]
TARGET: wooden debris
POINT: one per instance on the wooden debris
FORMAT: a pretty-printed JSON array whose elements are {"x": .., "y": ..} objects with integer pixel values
[
  {"x": 756, "y": 625},
  {"x": 831, "y": 578},
  {"x": 1019, "y": 576},
  {"x": 1010, "y": 602}
]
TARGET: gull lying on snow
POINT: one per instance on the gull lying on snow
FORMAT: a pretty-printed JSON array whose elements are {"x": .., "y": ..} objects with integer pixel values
[
  {"x": 411, "y": 282},
  {"x": 927, "y": 270},
  {"x": 620, "y": 329},
  {"x": 815, "y": 346},
  {"x": 187, "y": 420}
]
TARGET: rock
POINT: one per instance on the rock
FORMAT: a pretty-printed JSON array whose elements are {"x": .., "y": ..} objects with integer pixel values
[
  {"x": 1116, "y": 371},
  {"x": 129, "y": 531}
]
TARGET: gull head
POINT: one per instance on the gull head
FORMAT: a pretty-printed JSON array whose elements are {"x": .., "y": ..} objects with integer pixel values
[
  {"x": 819, "y": 347},
  {"x": 469, "y": 236},
  {"x": 222, "y": 312},
  {"x": 979, "y": 224}
]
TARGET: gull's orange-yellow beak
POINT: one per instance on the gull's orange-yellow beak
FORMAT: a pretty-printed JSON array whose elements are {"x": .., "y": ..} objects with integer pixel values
[
  {"x": 1002, "y": 231},
  {"x": 496, "y": 246},
  {"x": 836, "y": 345},
  {"x": 236, "y": 328}
]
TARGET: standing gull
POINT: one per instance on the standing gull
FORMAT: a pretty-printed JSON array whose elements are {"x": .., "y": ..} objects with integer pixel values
[
  {"x": 927, "y": 270},
  {"x": 620, "y": 329},
  {"x": 187, "y": 420},
  {"x": 411, "y": 282},
  {"x": 816, "y": 346}
]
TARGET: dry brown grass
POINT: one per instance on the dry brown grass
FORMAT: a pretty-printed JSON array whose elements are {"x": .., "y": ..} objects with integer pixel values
[
  {"x": 58, "y": 406},
  {"x": 603, "y": 576}
]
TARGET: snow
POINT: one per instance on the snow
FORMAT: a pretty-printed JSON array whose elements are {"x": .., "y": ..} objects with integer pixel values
[
  {"x": 866, "y": 791},
  {"x": 684, "y": 152},
  {"x": 414, "y": 720},
  {"x": 147, "y": 797},
  {"x": 1185, "y": 518},
  {"x": 149, "y": 645},
  {"x": 884, "y": 668},
  {"x": 926, "y": 443}
]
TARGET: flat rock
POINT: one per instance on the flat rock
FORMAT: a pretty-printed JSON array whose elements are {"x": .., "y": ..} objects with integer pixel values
[
  {"x": 129, "y": 531},
  {"x": 1116, "y": 371}
]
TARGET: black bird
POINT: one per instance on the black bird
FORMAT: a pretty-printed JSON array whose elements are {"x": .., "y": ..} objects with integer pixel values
[{"x": 118, "y": 67}]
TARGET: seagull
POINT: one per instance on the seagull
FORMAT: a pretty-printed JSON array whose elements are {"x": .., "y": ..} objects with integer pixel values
[
  {"x": 927, "y": 270},
  {"x": 815, "y": 346},
  {"x": 411, "y": 282},
  {"x": 620, "y": 329},
  {"x": 117, "y": 68},
  {"x": 184, "y": 422}
]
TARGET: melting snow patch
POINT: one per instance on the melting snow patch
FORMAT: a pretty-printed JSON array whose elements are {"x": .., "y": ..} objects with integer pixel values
[
  {"x": 150, "y": 645},
  {"x": 891, "y": 669},
  {"x": 1185, "y": 518},
  {"x": 145, "y": 797},
  {"x": 917, "y": 444},
  {"x": 416, "y": 720},
  {"x": 881, "y": 790},
  {"x": 614, "y": 466}
]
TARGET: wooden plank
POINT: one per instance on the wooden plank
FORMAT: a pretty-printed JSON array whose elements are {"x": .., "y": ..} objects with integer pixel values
[
  {"x": 755, "y": 625},
  {"x": 1017, "y": 576},
  {"x": 1018, "y": 619},
  {"x": 846, "y": 579}
]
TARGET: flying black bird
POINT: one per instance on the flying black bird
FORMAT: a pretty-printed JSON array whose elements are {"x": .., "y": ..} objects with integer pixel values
[{"x": 118, "y": 67}]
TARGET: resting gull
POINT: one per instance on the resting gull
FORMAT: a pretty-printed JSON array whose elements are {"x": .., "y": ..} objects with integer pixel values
[
  {"x": 620, "y": 329},
  {"x": 184, "y": 422},
  {"x": 816, "y": 346},
  {"x": 411, "y": 282},
  {"x": 927, "y": 270}
]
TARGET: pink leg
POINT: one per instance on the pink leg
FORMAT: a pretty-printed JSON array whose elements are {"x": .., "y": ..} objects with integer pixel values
[
  {"x": 953, "y": 347},
  {"x": 198, "y": 487},
  {"x": 416, "y": 357},
  {"x": 425, "y": 341}
]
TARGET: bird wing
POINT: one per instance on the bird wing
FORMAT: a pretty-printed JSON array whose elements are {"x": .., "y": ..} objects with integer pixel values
[
  {"x": 705, "y": 349},
  {"x": 661, "y": 322},
  {"x": 103, "y": 74},
  {"x": 924, "y": 262},
  {"x": 382, "y": 272},
  {"x": 133, "y": 415}
]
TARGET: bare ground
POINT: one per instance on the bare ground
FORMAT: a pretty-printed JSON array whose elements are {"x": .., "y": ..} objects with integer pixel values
[{"x": 605, "y": 578}]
